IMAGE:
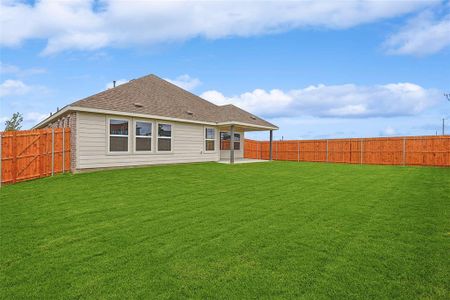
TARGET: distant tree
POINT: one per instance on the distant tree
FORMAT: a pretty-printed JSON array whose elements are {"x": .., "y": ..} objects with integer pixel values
[{"x": 14, "y": 123}]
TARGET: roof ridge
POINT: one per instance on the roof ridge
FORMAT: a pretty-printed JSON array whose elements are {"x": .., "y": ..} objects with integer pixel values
[
  {"x": 183, "y": 90},
  {"x": 153, "y": 95},
  {"x": 120, "y": 86}
]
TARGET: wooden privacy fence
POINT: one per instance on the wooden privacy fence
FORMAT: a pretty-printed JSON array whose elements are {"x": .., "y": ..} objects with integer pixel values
[
  {"x": 30, "y": 154},
  {"x": 412, "y": 150}
]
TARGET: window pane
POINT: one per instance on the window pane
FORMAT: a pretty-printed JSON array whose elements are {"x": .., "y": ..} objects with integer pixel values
[
  {"x": 237, "y": 146},
  {"x": 164, "y": 145},
  {"x": 209, "y": 145},
  {"x": 224, "y": 136},
  {"x": 224, "y": 141},
  {"x": 237, "y": 136},
  {"x": 224, "y": 145},
  {"x": 210, "y": 133},
  {"x": 143, "y": 129},
  {"x": 143, "y": 144},
  {"x": 164, "y": 130},
  {"x": 119, "y": 127},
  {"x": 118, "y": 144}
]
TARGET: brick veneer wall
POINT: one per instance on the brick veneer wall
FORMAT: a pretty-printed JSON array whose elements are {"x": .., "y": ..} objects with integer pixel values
[{"x": 69, "y": 120}]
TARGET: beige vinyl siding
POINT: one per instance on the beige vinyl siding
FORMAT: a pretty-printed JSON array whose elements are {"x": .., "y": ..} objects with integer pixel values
[
  {"x": 225, "y": 154},
  {"x": 92, "y": 144}
]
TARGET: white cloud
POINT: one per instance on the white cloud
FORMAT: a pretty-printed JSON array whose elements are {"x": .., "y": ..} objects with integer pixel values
[
  {"x": 185, "y": 82},
  {"x": 11, "y": 87},
  {"x": 110, "y": 85},
  {"x": 34, "y": 117},
  {"x": 89, "y": 24},
  {"x": 389, "y": 131},
  {"x": 345, "y": 101},
  {"x": 15, "y": 70},
  {"x": 8, "y": 69},
  {"x": 425, "y": 34}
]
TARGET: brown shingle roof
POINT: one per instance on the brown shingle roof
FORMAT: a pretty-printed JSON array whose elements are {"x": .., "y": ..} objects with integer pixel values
[{"x": 158, "y": 97}]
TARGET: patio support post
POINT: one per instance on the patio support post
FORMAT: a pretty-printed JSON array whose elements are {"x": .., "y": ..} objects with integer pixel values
[
  {"x": 270, "y": 145},
  {"x": 232, "y": 144}
]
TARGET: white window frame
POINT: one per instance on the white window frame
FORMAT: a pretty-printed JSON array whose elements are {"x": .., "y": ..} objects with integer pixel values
[
  {"x": 151, "y": 137},
  {"x": 108, "y": 131},
  {"x": 163, "y": 137},
  {"x": 206, "y": 139}
]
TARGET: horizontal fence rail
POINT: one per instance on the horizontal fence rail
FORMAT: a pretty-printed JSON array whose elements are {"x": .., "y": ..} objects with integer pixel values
[
  {"x": 411, "y": 151},
  {"x": 30, "y": 154}
]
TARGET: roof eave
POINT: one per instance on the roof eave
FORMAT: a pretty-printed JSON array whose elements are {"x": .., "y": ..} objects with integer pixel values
[
  {"x": 120, "y": 113},
  {"x": 139, "y": 115},
  {"x": 259, "y": 127},
  {"x": 52, "y": 116}
]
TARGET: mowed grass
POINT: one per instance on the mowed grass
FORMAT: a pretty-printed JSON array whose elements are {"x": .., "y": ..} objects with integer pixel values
[{"x": 263, "y": 230}]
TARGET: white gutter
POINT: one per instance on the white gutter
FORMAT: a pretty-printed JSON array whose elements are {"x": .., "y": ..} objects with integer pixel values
[{"x": 229, "y": 123}]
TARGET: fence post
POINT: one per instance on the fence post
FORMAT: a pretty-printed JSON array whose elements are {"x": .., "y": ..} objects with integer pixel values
[
  {"x": 1, "y": 156},
  {"x": 42, "y": 154},
  {"x": 260, "y": 150},
  {"x": 327, "y": 150},
  {"x": 256, "y": 151},
  {"x": 298, "y": 151},
  {"x": 276, "y": 150},
  {"x": 63, "y": 150},
  {"x": 404, "y": 151},
  {"x": 14, "y": 157},
  {"x": 361, "y": 152},
  {"x": 53, "y": 150}
]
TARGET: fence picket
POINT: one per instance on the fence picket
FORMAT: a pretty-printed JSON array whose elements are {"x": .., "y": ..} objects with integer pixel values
[
  {"x": 14, "y": 157},
  {"x": 28, "y": 154},
  {"x": 421, "y": 150},
  {"x": 1, "y": 156},
  {"x": 53, "y": 151},
  {"x": 63, "y": 149}
]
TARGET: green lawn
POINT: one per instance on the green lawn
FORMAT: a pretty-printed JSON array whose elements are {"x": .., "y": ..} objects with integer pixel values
[{"x": 265, "y": 230}]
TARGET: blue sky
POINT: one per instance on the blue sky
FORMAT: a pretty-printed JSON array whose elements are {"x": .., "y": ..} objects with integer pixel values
[{"x": 317, "y": 69}]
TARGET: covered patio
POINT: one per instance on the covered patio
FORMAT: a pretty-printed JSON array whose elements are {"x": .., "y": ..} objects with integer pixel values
[{"x": 232, "y": 153}]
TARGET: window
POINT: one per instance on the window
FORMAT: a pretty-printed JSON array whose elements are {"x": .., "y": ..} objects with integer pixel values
[
  {"x": 225, "y": 141},
  {"x": 164, "y": 137},
  {"x": 143, "y": 136},
  {"x": 118, "y": 135},
  {"x": 210, "y": 139},
  {"x": 237, "y": 141}
]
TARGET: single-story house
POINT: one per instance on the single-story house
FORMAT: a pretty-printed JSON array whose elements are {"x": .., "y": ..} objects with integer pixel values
[{"x": 151, "y": 121}]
